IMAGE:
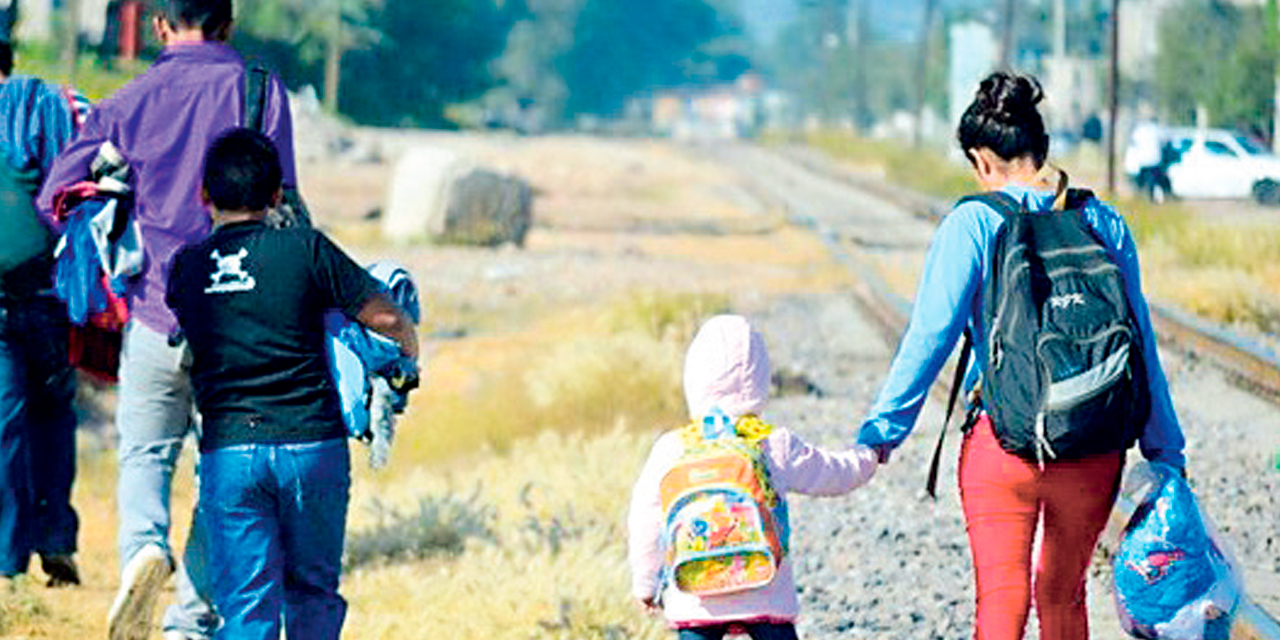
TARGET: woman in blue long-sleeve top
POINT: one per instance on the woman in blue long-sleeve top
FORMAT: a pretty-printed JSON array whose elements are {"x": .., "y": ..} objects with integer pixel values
[{"x": 1005, "y": 496}]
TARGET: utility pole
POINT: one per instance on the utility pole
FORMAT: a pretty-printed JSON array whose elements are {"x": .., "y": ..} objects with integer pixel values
[
  {"x": 10, "y": 18},
  {"x": 1114, "y": 84},
  {"x": 922, "y": 69},
  {"x": 856, "y": 36},
  {"x": 71, "y": 45},
  {"x": 1060, "y": 29},
  {"x": 1273, "y": 32},
  {"x": 1007, "y": 41},
  {"x": 333, "y": 58}
]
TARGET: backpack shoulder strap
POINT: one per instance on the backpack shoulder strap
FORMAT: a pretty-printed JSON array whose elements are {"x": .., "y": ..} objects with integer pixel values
[
  {"x": 255, "y": 95},
  {"x": 1003, "y": 203},
  {"x": 962, "y": 367},
  {"x": 1077, "y": 198}
]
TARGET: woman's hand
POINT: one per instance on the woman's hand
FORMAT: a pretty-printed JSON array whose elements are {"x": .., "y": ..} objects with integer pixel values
[
  {"x": 883, "y": 452},
  {"x": 649, "y": 605}
]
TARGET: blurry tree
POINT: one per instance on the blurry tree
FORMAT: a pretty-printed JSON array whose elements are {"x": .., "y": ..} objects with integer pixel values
[
  {"x": 530, "y": 85},
  {"x": 317, "y": 29},
  {"x": 528, "y": 63},
  {"x": 874, "y": 76},
  {"x": 415, "y": 58},
  {"x": 1215, "y": 54},
  {"x": 619, "y": 50},
  {"x": 567, "y": 57},
  {"x": 432, "y": 55}
]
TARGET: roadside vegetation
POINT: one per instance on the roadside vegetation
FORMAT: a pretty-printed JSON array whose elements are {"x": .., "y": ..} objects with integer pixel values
[{"x": 90, "y": 77}]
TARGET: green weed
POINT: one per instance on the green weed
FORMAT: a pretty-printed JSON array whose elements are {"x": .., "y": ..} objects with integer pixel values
[
  {"x": 441, "y": 525},
  {"x": 19, "y": 605}
]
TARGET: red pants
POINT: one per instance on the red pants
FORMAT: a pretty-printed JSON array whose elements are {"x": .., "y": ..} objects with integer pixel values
[{"x": 1004, "y": 498}]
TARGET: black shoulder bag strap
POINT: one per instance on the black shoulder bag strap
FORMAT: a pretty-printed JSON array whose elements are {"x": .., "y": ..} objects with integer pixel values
[
  {"x": 255, "y": 96},
  {"x": 931, "y": 486},
  {"x": 1005, "y": 205},
  {"x": 293, "y": 211}
]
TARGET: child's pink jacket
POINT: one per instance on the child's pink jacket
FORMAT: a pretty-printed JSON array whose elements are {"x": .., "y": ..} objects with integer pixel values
[{"x": 794, "y": 466}]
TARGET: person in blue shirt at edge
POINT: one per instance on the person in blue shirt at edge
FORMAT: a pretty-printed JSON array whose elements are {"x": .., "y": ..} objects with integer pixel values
[
  {"x": 1003, "y": 496},
  {"x": 275, "y": 472},
  {"x": 37, "y": 382}
]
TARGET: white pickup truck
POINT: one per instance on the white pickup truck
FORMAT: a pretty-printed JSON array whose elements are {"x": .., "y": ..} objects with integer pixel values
[{"x": 1216, "y": 163}]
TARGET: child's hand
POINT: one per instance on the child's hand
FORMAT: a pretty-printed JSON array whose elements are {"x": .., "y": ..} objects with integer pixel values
[
  {"x": 883, "y": 452},
  {"x": 649, "y": 605}
]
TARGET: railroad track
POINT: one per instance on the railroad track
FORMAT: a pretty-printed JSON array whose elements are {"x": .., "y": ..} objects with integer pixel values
[{"x": 1248, "y": 365}]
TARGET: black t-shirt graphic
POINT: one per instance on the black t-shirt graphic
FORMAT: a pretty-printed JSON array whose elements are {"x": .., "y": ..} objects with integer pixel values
[{"x": 251, "y": 303}]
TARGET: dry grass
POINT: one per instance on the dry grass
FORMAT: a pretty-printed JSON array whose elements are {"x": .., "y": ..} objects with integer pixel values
[
  {"x": 923, "y": 170},
  {"x": 554, "y": 567},
  {"x": 581, "y": 370},
  {"x": 1225, "y": 271}
]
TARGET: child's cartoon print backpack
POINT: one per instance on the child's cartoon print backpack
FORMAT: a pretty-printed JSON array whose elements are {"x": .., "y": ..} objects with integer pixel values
[{"x": 725, "y": 527}]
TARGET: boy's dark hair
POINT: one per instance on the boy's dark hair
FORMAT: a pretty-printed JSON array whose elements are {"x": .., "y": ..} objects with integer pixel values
[
  {"x": 6, "y": 58},
  {"x": 242, "y": 171},
  {"x": 1003, "y": 118},
  {"x": 209, "y": 15}
]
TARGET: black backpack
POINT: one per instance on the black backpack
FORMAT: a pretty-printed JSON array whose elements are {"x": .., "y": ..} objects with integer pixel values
[{"x": 1064, "y": 375}]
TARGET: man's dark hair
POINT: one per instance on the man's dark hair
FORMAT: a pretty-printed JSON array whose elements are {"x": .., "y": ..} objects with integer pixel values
[
  {"x": 242, "y": 171},
  {"x": 209, "y": 15},
  {"x": 6, "y": 58}
]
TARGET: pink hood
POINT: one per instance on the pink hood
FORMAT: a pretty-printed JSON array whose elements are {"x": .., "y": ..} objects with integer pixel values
[{"x": 727, "y": 366}]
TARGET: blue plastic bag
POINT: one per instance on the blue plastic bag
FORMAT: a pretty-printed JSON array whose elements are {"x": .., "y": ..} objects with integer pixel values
[{"x": 1173, "y": 580}]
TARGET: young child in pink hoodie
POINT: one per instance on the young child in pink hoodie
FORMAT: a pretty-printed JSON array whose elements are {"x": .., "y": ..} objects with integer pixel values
[{"x": 727, "y": 371}]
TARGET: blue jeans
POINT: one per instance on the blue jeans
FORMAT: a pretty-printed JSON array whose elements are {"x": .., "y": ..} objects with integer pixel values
[
  {"x": 37, "y": 433},
  {"x": 155, "y": 414},
  {"x": 276, "y": 518},
  {"x": 757, "y": 631}
]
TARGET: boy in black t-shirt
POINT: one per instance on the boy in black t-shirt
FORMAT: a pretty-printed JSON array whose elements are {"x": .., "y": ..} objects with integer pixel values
[{"x": 274, "y": 470}]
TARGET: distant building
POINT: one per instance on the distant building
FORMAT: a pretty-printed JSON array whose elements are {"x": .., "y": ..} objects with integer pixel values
[
  {"x": 716, "y": 111},
  {"x": 974, "y": 54}
]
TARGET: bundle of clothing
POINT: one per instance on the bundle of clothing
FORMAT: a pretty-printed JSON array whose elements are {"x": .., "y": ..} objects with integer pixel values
[{"x": 372, "y": 375}]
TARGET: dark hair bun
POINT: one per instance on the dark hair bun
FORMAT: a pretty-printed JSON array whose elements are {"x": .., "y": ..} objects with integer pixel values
[{"x": 1008, "y": 97}]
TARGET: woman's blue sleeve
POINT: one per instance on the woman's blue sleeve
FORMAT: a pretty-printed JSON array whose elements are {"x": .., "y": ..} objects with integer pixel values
[
  {"x": 1162, "y": 439},
  {"x": 943, "y": 306}
]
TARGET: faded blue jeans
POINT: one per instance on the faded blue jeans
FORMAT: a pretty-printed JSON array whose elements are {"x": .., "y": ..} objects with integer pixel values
[
  {"x": 276, "y": 516},
  {"x": 37, "y": 433},
  {"x": 155, "y": 414}
]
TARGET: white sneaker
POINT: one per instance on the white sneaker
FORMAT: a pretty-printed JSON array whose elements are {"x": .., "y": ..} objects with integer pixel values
[
  {"x": 174, "y": 634},
  {"x": 144, "y": 576}
]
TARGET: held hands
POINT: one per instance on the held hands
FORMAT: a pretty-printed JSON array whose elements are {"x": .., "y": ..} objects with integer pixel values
[
  {"x": 883, "y": 452},
  {"x": 649, "y": 605}
]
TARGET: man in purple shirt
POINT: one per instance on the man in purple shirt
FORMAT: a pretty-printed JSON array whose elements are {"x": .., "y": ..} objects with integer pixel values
[{"x": 162, "y": 123}]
